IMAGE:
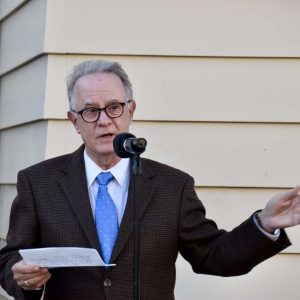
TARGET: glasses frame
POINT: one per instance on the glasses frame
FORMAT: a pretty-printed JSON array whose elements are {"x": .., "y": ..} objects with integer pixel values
[{"x": 102, "y": 109}]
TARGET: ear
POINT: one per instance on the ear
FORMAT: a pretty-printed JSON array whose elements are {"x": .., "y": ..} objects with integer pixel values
[
  {"x": 74, "y": 120},
  {"x": 132, "y": 107}
]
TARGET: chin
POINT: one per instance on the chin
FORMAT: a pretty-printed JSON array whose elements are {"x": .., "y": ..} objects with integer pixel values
[{"x": 105, "y": 151}]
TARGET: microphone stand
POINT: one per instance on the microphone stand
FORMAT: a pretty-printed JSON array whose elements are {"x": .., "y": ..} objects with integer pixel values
[
  {"x": 127, "y": 145},
  {"x": 137, "y": 171}
]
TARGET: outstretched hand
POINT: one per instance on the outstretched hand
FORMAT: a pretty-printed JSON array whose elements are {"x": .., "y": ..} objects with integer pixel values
[{"x": 282, "y": 211}]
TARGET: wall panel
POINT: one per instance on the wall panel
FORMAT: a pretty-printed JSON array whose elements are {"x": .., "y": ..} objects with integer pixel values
[
  {"x": 7, "y": 194},
  {"x": 217, "y": 155},
  {"x": 22, "y": 94},
  {"x": 276, "y": 279},
  {"x": 8, "y": 6},
  {"x": 226, "y": 155},
  {"x": 196, "y": 89},
  {"x": 229, "y": 207},
  {"x": 22, "y": 35},
  {"x": 62, "y": 138},
  {"x": 21, "y": 147},
  {"x": 189, "y": 28}
]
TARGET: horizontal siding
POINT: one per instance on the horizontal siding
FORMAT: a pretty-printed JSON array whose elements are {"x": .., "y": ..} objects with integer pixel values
[
  {"x": 22, "y": 94},
  {"x": 229, "y": 207},
  {"x": 225, "y": 155},
  {"x": 56, "y": 100},
  {"x": 62, "y": 138},
  {"x": 21, "y": 147},
  {"x": 7, "y": 194},
  {"x": 22, "y": 35},
  {"x": 216, "y": 154},
  {"x": 170, "y": 89},
  {"x": 189, "y": 28},
  {"x": 8, "y": 6},
  {"x": 276, "y": 279},
  {"x": 196, "y": 89}
]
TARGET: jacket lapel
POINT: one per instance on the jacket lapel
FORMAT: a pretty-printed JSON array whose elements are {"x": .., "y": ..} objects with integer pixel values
[
  {"x": 146, "y": 193},
  {"x": 74, "y": 185}
]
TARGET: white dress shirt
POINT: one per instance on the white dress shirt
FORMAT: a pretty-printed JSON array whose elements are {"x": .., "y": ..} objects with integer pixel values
[{"x": 117, "y": 188}]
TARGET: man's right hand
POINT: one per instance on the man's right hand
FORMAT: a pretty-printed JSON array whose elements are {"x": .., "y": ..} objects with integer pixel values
[{"x": 30, "y": 277}]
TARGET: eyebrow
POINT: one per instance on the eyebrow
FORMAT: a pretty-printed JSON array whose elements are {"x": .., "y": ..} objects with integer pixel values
[{"x": 90, "y": 103}]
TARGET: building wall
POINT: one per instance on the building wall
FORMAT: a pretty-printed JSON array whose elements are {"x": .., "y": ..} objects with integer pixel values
[{"x": 217, "y": 85}]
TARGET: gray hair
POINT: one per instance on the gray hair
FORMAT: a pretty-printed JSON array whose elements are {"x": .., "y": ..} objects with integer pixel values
[{"x": 97, "y": 66}]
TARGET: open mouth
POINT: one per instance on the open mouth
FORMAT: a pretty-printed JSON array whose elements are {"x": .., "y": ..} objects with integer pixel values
[{"x": 106, "y": 136}]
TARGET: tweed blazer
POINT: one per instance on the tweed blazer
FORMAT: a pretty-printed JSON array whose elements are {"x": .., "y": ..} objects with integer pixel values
[{"x": 52, "y": 209}]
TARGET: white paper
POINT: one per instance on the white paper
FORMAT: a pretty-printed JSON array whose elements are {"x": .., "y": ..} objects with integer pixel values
[{"x": 55, "y": 257}]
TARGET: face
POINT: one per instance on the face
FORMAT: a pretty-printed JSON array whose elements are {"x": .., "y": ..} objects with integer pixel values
[{"x": 99, "y": 90}]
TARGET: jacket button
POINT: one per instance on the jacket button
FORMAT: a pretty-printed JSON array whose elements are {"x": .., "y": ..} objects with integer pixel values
[{"x": 107, "y": 282}]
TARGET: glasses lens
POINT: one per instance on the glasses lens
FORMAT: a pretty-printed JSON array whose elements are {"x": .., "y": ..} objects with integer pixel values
[
  {"x": 114, "y": 110},
  {"x": 90, "y": 114}
]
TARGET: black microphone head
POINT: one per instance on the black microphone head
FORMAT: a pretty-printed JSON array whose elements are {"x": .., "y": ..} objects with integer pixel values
[{"x": 118, "y": 144}]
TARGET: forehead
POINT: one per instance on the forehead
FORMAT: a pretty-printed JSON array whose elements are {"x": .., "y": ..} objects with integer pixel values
[{"x": 99, "y": 85}]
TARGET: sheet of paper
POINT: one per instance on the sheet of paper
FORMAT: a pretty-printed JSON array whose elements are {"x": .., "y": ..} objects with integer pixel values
[{"x": 56, "y": 257}]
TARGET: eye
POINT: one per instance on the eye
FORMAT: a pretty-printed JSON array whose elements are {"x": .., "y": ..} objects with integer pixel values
[
  {"x": 113, "y": 107},
  {"x": 91, "y": 110}
]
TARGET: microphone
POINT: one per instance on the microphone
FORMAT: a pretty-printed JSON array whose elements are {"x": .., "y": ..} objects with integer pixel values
[{"x": 127, "y": 145}]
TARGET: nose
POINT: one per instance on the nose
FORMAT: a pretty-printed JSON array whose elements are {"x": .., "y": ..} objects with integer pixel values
[{"x": 104, "y": 119}]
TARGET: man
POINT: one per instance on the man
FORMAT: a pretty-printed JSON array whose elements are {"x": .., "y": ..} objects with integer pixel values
[{"x": 59, "y": 204}]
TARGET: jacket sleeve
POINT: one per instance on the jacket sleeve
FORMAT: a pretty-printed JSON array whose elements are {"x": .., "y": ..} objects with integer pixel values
[
  {"x": 23, "y": 233},
  {"x": 218, "y": 252}
]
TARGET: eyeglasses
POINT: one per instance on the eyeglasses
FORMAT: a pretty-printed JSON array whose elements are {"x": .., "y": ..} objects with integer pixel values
[{"x": 92, "y": 114}]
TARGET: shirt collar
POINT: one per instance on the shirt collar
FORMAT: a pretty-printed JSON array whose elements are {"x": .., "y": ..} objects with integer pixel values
[{"x": 120, "y": 171}]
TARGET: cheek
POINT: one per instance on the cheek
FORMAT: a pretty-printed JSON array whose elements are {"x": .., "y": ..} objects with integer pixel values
[
  {"x": 85, "y": 132},
  {"x": 124, "y": 123}
]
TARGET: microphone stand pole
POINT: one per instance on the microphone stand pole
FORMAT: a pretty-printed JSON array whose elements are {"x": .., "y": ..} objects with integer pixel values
[{"x": 137, "y": 171}]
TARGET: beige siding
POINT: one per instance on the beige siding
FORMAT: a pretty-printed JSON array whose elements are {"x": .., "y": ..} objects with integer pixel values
[
  {"x": 217, "y": 86},
  {"x": 175, "y": 27},
  {"x": 22, "y": 35},
  {"x": 21, "y": 147},
  {"x": 62, "y": 138},
  {"x": 216, "y": 154},
  {"x": 7, "y": 194},
  {"x": 184, "y": 89},
  {"x": 22, "y": 94},
  {"x": 274, "y": 279},
  {"x": 8, "y": 6},
  {"x": 231, "y": 206}
]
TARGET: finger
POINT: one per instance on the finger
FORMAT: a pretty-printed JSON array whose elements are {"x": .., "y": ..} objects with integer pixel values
[
  {"x": 43, "y": 280},
  {"x": 22, "y": 277},
  {"x": 21, "y": 267},
  {"x": 291, "y": 193},
  {"x": 25, "y": 276},
  {"x": 36, "y": 282},
  {"x": 298, "y": 189}
]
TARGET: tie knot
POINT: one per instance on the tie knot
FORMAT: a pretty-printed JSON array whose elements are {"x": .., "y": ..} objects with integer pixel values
[{"x": 104, "y": 178}]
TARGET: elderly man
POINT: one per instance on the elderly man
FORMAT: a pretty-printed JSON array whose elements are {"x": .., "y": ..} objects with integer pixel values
[{"x": 66, "y": 201}]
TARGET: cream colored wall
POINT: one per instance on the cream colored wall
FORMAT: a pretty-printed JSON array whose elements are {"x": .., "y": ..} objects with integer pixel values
[{"x": 217, "y": 86}]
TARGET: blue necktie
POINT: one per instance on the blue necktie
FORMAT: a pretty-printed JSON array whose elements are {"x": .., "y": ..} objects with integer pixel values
[{"x": 106, "y": 217}]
